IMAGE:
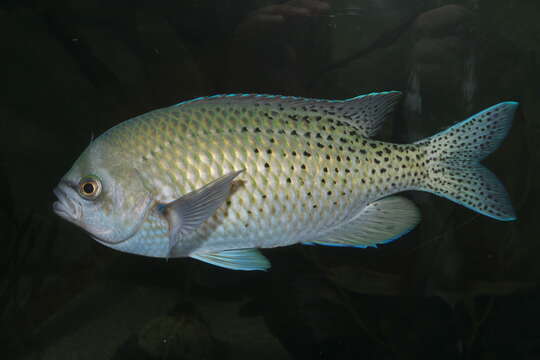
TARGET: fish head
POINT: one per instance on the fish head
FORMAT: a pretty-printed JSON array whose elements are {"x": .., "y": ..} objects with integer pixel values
[{"x": 104, "y": 195}]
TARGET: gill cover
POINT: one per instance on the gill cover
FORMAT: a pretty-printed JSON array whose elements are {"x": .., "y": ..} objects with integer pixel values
[{"x": 120, "y": 210}]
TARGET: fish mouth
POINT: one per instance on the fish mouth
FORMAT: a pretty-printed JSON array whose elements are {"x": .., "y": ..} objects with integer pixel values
[{"x": 65, "y": 207}]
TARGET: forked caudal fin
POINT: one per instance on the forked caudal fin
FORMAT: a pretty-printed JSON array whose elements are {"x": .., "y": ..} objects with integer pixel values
[{"x": 453, "y": 161}]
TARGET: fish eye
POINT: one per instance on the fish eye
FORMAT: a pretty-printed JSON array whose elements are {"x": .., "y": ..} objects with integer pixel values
[{"x": 90, "y": 187}]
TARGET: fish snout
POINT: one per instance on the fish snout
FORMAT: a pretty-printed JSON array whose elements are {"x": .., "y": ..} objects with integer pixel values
[{"x": 65, "y": 207}]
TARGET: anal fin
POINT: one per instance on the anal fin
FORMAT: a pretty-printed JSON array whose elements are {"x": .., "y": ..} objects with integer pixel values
[
  {"x": 379, "y": 222},
  {"x": 238, "y": 259}
]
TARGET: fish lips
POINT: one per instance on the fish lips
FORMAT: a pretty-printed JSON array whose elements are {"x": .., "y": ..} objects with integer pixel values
[{"x": 65, "y": 207}]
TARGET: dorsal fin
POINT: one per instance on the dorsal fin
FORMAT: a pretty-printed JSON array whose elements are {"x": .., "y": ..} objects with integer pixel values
[
  {"x": 368, "y": 112},
  {"x": 365, "y": 112}
]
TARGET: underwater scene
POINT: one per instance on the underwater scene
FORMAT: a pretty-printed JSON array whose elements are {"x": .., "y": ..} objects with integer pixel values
[{"x": 270, "y": 179}]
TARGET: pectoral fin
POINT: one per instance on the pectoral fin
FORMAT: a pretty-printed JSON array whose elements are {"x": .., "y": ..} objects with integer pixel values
[
  {"x": 186, "y": 214},
  {"x": 239, "y": 259},
  {"x": 380, "y": 222}
]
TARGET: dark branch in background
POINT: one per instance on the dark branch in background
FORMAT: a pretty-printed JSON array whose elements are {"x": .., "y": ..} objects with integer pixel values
[
  {"x": 91, "y": 67},
  {"x": 382, "y": 41},
  {"x": 20, "y": 280}
]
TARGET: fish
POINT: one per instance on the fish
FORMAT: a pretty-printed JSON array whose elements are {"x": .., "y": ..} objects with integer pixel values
[{"x": 218, "y": 178}]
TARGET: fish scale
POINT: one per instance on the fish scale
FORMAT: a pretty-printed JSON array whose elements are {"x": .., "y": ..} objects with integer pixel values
[{"x": 310, "y": 173}]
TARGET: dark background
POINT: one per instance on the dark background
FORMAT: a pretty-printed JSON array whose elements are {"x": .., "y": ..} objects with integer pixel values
[{"x": 461, "y": 286}]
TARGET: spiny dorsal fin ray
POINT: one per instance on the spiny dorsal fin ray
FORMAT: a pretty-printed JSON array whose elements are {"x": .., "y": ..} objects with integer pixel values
[
  {"x": 379, "y": 222},
  {"x": 366, "y": 113}
]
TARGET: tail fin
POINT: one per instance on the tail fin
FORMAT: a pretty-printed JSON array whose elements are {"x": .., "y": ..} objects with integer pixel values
[{"x": 454, "y": 157}]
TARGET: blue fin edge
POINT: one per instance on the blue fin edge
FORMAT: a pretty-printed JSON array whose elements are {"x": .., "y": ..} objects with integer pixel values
[
  {"x": 511, "y": 218},
  {"x": 394, "y": 238},
  {"x": 283, "y": 97}
]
